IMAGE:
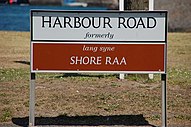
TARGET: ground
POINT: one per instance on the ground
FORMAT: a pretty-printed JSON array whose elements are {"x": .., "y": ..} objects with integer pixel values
[{"x": 93, "y": 99}]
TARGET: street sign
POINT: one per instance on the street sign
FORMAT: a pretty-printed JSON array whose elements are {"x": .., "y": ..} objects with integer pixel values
[
  {"x": 98, "y": 41},
  {"x": 110, "y": 58},
  {"x": 108, "y": 42},
  {"x": 142, "y": 26}
]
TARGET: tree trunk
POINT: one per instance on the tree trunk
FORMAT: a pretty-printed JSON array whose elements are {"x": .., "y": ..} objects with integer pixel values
[{"x": 136, "y": 4}]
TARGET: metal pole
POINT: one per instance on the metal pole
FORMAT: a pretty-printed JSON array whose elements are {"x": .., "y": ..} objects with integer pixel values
[
  {"x": 151, "y": 8},
  {"x": 32, "y": 101},
  {"x": 121, "y": 5},
  {"x": 151, "y": 5},
  {"x": 121, "y": 8},
  {"x": 164, "y": 101}
]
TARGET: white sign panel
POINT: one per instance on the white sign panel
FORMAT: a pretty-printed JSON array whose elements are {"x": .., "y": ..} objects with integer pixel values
[{"x": 139, "y": 26}]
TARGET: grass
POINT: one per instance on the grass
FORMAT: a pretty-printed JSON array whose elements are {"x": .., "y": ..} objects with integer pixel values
[
  {"x": 182, "y": 117},
  {"x": 13, "y": 74},
  {"x": 155, "y": 117},
  {"x": 179, "y": 50},
  {"x": 90, "y": 94},
  {"x": 179, "y": 76},
  {"x": 176, "y": 76},
  {"x": 6, "y": 115}
]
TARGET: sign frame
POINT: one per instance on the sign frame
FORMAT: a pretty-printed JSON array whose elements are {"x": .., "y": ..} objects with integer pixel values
[{"x": 82, "y": 41}]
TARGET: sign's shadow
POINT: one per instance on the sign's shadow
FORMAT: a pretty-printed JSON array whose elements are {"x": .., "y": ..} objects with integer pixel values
[{"x": 114, "y": 120}]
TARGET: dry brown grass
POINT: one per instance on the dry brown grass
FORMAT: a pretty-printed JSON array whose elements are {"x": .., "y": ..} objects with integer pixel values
[
  {"x": 179, "y": 50},
  {"x": 14, "y": 46},
  {"x": 93, "y": 95}
]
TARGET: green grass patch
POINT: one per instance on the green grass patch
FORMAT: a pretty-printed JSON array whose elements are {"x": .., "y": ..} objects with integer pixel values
[
  {"x": 13, "y": 74},
  {"x": 178, "y": 76},
  {"x": 2, "y": 95},
  {"x": 143, "y": 78},
  {"x": 6, "y": 115},
  {"x": 183, "y": 117},
  {"x": 155, "y": 117}
]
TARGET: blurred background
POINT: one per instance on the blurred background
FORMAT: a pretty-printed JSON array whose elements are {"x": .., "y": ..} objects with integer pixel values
[{"x": 179, "y": 10}]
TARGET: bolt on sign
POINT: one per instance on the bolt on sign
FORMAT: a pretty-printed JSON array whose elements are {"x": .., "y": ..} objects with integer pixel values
[{"x": 98, "y": 41}]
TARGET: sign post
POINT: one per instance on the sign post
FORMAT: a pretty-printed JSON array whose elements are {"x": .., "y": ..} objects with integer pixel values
[
  {"x": 164, "y": 82},
  {"x": 151, "y": 8},
  {"x": 32, "y": 101},
  {"x": 97, "y": 42},
  {"x": 164, "y": 100},
  {"x": 121, "y": 8},
  {"x": 151, "y": 5}
]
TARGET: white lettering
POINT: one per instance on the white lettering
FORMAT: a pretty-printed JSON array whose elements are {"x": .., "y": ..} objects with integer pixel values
[
  {"x": 72, "y": 60},
  {"x": 87, "y": 48},
  {"x": 123, "y": 61},
  {"x": 85, "y": 60},
  {"x": 108, "y": 60},
  {"x": 115, "y": 61},
  {"x": 107, "y": 49}
]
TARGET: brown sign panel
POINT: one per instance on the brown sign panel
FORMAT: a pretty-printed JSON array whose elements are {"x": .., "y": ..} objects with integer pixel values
[{"x": 69, "y": 57}]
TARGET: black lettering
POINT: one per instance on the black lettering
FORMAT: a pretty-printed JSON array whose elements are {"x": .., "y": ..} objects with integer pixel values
[
  {"x": 67, "y": 21},
  {"x": 57, "y": 22},
  {"x": 86, "y": 24},
  {"x": 133, "y": 20},
  {"x": 93, "y": 22},
  {"x": 106, "y": 21},
  {"x": 149, "y": 19},
  {"x": 121, "y": 22},
  {"x": 46, "y": 21},
  {"x": 140, "y": 23},
  {"x": 77, "y": 23}
]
